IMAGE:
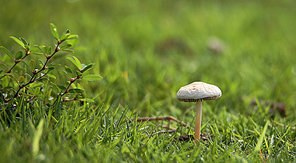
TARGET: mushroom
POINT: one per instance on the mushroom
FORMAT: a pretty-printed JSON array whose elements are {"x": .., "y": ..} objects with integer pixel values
[{"x": 197, "y": 92}]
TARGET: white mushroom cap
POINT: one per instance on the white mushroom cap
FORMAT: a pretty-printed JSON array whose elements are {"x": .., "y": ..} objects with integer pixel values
[{"x": 198, "y": 91}]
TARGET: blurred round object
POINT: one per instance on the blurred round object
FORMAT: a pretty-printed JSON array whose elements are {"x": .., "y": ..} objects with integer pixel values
[{"x": 215, "y": 45}]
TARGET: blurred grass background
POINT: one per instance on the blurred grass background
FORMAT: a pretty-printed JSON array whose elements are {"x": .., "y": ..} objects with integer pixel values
[{"x": 147, "y": 50}]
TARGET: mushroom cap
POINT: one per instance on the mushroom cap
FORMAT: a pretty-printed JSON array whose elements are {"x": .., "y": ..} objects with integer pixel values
[{"x": 198, "y": 91}]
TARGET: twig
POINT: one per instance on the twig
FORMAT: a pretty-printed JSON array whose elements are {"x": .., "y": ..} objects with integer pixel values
[
  {"x": 160, "y": 132},
  {"x": 31, "y": 99},
  {"x": 282, "y": 125},
  {"x": 167, "y": 118}
]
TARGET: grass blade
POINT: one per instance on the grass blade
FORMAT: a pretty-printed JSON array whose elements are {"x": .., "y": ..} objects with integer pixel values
[
  {"x": 260, "y": 141},
  {"x": 36, "y": 138}
]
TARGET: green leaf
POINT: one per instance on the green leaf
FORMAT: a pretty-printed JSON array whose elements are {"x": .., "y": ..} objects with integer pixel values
[
  {"x": 75, "y": 61},
  {"x": 36, "y": 50},
  {"x": 65, "y": 36},
  {"x": 36, "y": 53},
  {"x": 50, "y": 69},
  {"x": 48, "y": 50},
  {"x": 68, "y": 69},
  {"x": 87, "y": 100},
  {"x": 68, "y": 50},
  {"x": 6, "y": 51},
  {"x": 66, "y": 46},
  {"x": 24, "y": 41},
  {"x": 36, "y": 91},
  {"x": 45, "y": 49},
  {"x": 73, "y": 37},
  {"x": 78, "y": 62},
  {"x": 36, "y": 84},
  {"x": 76, "y": 90},
  {"x": 78, "y": 73},
  {"x": 62, "y": 87},
  {"x": 54, "y": 31},
  {"x": 72, "y": 41},
  {"x": 91, "y": 77},
  {"x": 86, "y": 68},
  {"x": 18, "y": 41},
  {"x": 51, "y": 76},
  {"x": 42, "y": 48},
  {"x": 19, "y": 55}
]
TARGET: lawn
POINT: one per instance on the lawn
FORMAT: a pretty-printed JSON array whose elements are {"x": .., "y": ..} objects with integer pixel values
[{"x": 145, "y": 51}]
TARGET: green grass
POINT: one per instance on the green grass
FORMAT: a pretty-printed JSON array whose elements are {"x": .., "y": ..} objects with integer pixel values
[{"x": 141, "y": 76}]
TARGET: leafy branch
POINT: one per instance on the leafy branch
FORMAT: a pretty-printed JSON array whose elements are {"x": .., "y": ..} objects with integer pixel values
[
  {"x": 8, "y": 93},
  {"x": 36, "y": 72},
  {"x": 19, "y": 56}
]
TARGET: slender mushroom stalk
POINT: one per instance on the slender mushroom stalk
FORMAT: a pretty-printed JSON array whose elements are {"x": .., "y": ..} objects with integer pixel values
[
  {"x": 197, "y": 92},
  {"x": 198, "y": 120}
]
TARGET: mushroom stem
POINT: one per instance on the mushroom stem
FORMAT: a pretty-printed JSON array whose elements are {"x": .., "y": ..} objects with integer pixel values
[{"x": 198, "y": 120}]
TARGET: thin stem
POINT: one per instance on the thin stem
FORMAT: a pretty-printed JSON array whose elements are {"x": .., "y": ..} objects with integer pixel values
[
  {"x": 198, "y": 120},
  {"x": 161, "y": 132},
  {"x": 9, "y": 71}
]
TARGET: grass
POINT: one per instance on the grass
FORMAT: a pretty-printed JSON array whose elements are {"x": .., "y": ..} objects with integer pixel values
[{"x": 126, "y": 40}]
